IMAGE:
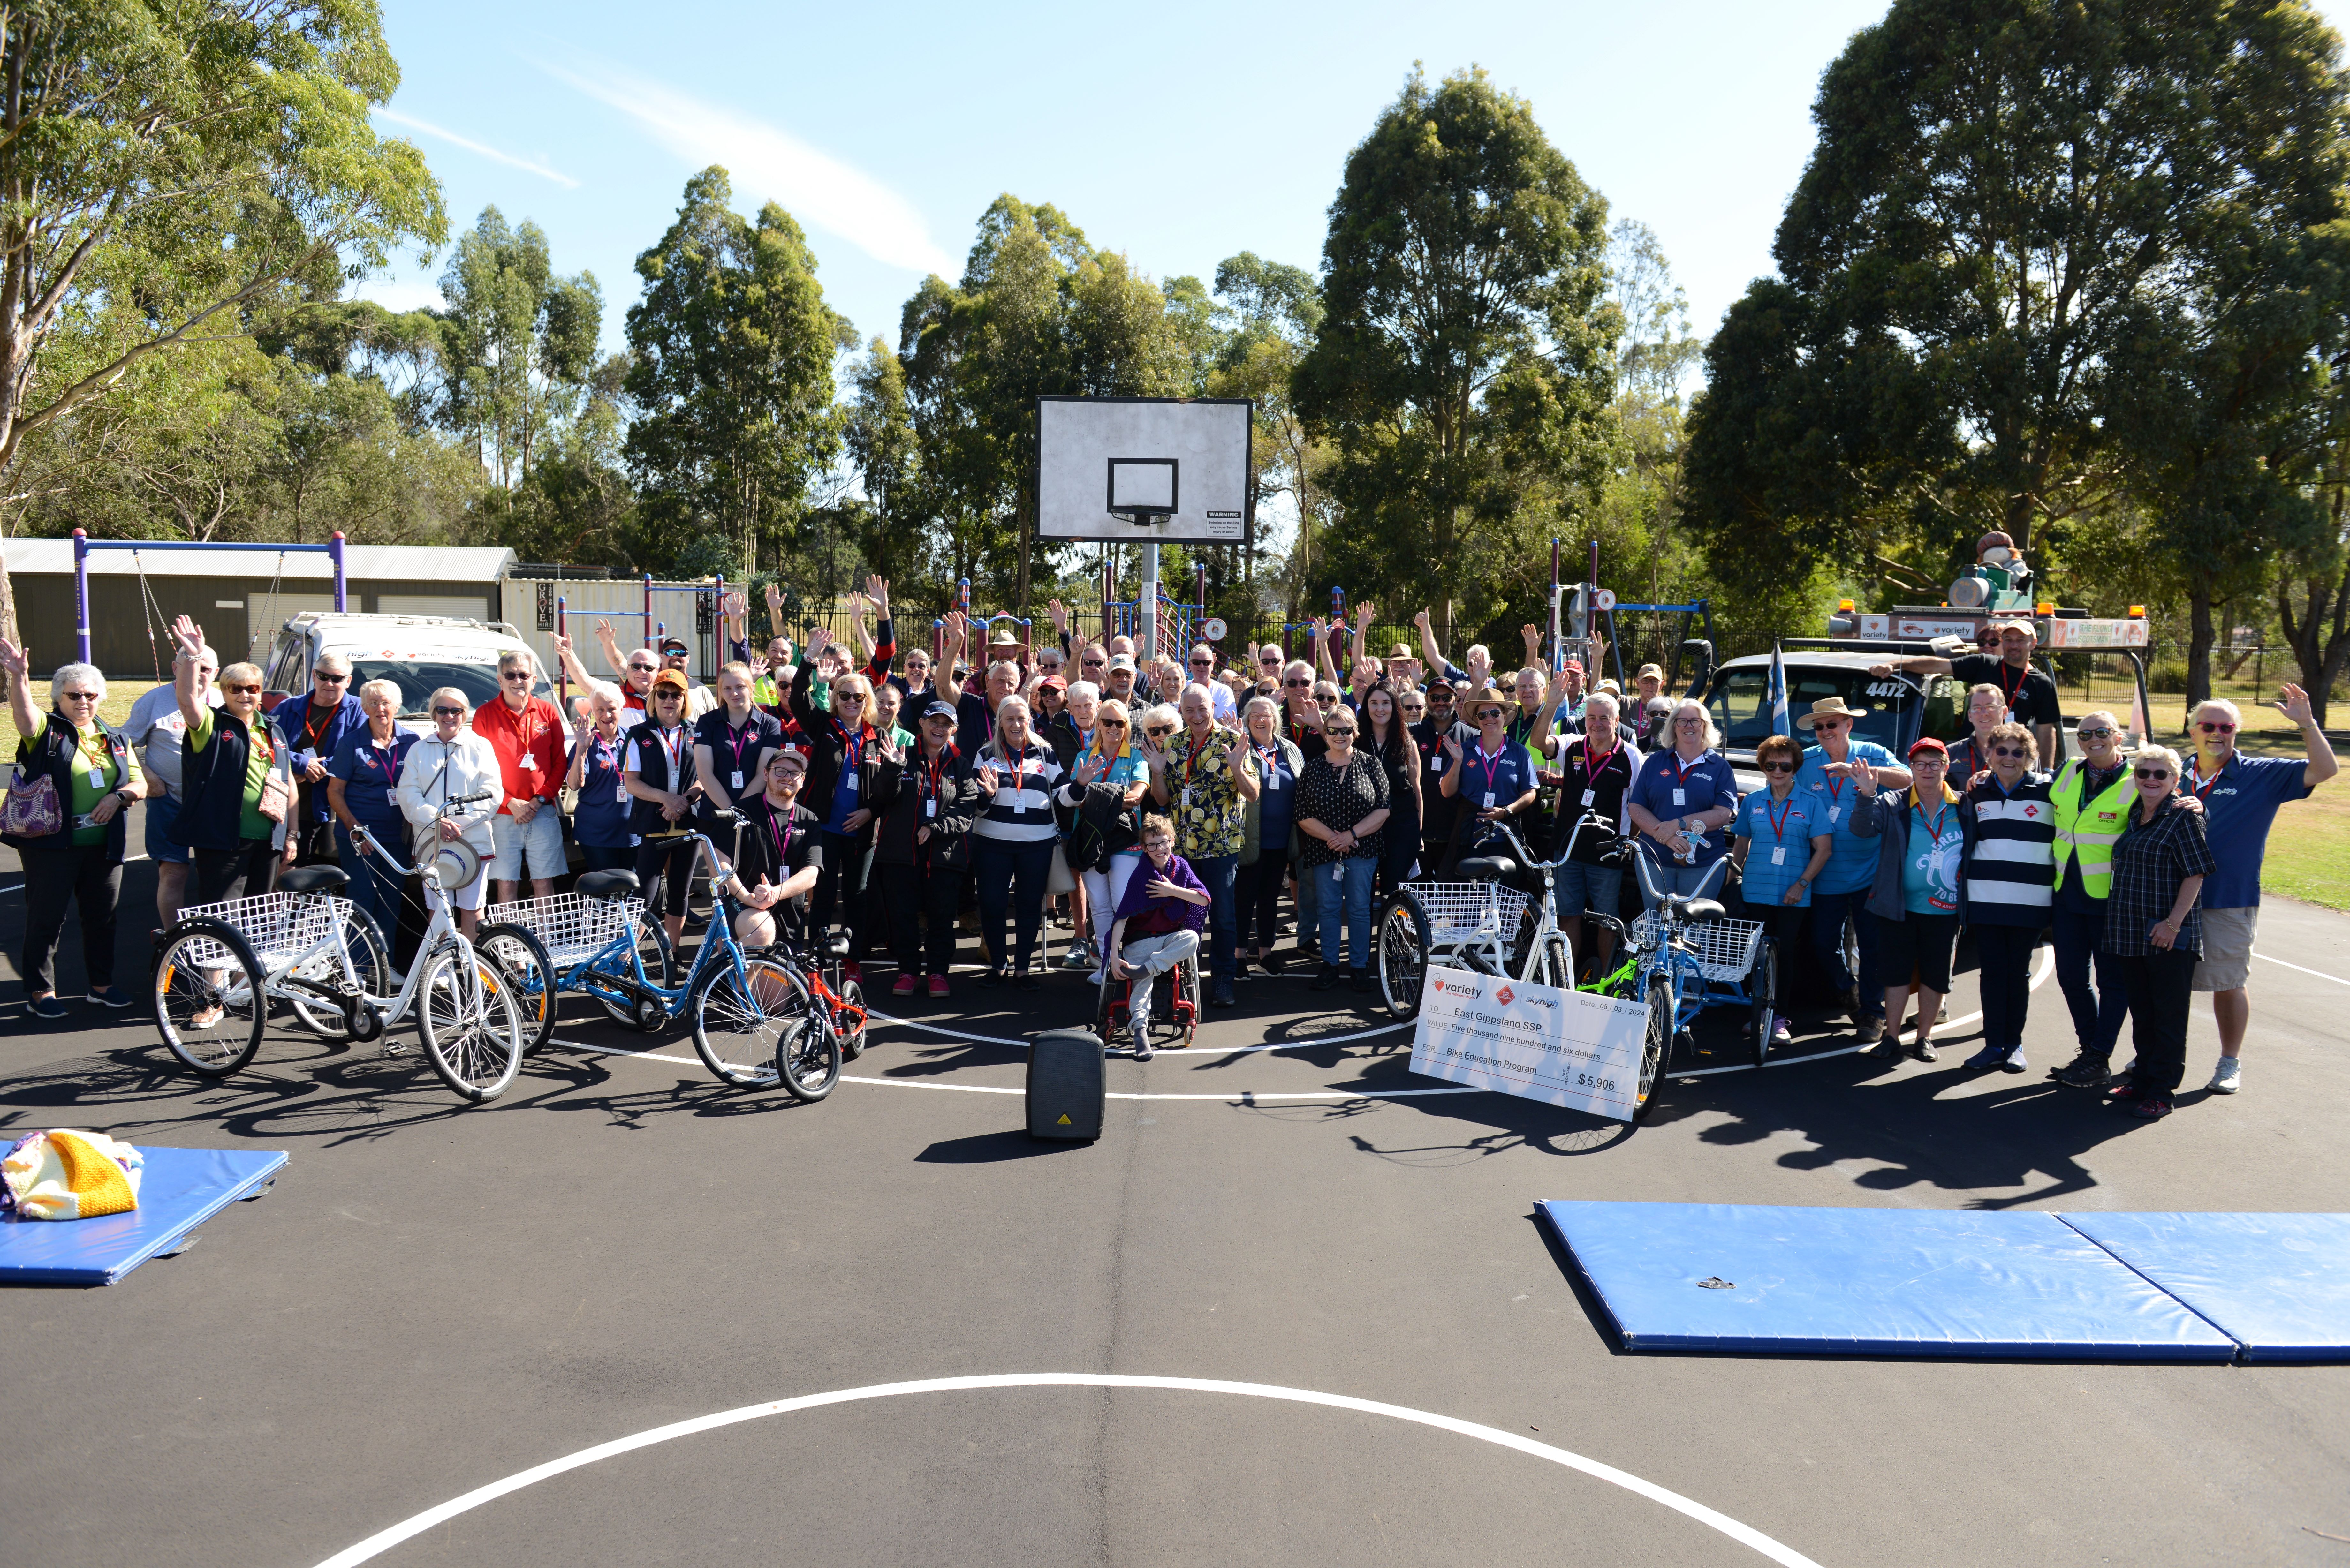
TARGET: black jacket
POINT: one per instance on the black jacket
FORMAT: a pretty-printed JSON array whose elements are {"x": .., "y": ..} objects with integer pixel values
[
  {"x": 827, "y": 749},
  {"x": 899, "y": 792},
  {"x": 54, "y": 753}
]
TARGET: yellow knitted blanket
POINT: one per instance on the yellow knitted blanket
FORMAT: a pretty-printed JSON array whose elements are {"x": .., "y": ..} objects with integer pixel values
[{"x": 67, "y": 1175}]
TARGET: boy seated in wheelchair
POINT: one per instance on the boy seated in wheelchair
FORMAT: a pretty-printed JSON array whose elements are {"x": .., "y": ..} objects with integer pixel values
[
  {"x": 777, "y": 855},
  {"x": 1161, "y": 915}
]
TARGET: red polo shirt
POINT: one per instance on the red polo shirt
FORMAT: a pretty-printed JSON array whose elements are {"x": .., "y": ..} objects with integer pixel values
[{"x": 535, "y": 737}]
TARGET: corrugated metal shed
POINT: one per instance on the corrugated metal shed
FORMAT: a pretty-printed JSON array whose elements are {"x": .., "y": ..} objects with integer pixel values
[
  {"x": 400, "y": 563},
  {"x": 231, "y": 594}
]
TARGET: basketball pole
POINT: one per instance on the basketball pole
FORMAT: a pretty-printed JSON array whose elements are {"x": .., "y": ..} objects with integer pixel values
[{"x": 1147, "y": 602}]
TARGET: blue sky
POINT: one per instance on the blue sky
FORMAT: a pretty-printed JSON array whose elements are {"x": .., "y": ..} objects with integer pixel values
[{"x": 1177, "y": 137}]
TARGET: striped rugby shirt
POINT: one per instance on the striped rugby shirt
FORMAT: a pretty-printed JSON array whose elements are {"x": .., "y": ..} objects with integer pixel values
[
  {"x": 2010, "y": 871},
  {"x": 1021, "y": 809}
]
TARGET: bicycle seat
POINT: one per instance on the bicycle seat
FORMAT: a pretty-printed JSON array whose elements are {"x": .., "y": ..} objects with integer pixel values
[
  {"x": 606, "y": 884},
  {"x": 312, "y": 879},
  {"x": 1488, "y": 868},
  {"x": 1702, "y": 909},
  {"x": 836, "y": 946}
]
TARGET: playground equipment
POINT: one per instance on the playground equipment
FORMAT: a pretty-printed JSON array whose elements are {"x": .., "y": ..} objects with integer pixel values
[{"x": 83, "y": 544}]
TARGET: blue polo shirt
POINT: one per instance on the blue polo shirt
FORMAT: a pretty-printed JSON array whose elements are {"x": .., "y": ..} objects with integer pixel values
[
  {"x": 2239, "y": 804},
  {"x": 369, "y": 773},
  {"x": 1852, "y": 860},
  {"x": 1781, "y": 834},
  {"x": 1491, "y": 780},
  {"x": 601, "y": 816},
  {"x": 1670, "y": 787},
  {"x": 309, "y": 734}
]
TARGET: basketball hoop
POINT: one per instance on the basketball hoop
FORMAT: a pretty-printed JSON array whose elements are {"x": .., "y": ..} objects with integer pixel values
[{"x": 1143, "y": 490}]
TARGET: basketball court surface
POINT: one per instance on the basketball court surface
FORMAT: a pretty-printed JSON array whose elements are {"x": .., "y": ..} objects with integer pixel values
[{"x": 1296, "y": 1307}]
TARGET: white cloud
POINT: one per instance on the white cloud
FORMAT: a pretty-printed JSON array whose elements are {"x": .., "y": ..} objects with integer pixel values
[
  {"x": 818, "y": 189},
  {"x": 470, "y": 145}
]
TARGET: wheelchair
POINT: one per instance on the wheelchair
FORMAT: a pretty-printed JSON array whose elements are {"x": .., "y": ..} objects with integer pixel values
[{"x": 1174, "y": 1007}]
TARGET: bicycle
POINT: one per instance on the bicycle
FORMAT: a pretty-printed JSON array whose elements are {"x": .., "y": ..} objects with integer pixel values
[
  {"x": 221, "y": 968},
  {"x": 738, "y": 1000},
  {"x": 1484, "y": 922}
]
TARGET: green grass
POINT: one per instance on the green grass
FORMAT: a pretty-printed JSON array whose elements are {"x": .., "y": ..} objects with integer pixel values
[{"x": 115, "y": 709}]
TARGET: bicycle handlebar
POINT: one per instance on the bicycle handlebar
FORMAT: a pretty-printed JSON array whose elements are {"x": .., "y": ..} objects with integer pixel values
[{"x": 376, "y": 842}]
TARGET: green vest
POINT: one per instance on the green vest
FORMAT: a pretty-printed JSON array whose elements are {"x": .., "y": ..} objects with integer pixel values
[{"x": 2090, "y": 831}]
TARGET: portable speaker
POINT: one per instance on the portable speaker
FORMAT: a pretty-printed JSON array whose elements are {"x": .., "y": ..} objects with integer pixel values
[{"x": 1068, "y": 1085}]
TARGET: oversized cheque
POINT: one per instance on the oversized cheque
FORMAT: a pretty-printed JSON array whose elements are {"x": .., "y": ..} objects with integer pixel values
[{"x": 1564, "y": 1047}]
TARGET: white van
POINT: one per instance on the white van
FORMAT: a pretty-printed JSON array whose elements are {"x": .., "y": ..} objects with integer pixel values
[{"x": 419, "y": 653}]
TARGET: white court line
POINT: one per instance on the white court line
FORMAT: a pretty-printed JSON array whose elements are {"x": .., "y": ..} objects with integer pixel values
[
  {"x": 878, "y": 1017},
  {"x": 1745, "y": 1535},
  {"x": 2319, "y": 974},
  {"x": 1250, "y": 1096}
]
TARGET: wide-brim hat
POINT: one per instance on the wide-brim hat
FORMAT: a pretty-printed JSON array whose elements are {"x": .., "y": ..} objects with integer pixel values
[
  {"x": 1826, "y": 708},
  {"x": 460, "y": 865}
]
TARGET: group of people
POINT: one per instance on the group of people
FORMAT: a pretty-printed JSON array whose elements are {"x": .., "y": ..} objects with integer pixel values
[{"x": 1174, "y": 802}]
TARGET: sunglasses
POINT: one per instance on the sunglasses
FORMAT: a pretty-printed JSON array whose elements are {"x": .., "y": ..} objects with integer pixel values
[
  {"x": 1158, "y": 731},
  {"x": 513, "y": 675},
  {"x": 2009, "y": 751},
  {"x": 1337, "y": 733},
  {"x": 643, "y": 669},
  {"x": 1203, "y": 664},
  {"x": 669, "y": 696},
  {"x": 2155, "y": 775},
  {"x": 1829, "y": 724},
  {"x": 2096, "y": 734},
  {"x": 1782, "y": 766},
  {"x": 851, "y": 698},
  {"x": 1294, "y": 684},
  {"x": 1113, "y": 723},
  {"x": 2211, "y": 729},
  {"x": 83, "y": 696},
  {"x": 233, "y": 688},
  {"x": 328, "y": 676},
  {"x": 448, "y": 712}
]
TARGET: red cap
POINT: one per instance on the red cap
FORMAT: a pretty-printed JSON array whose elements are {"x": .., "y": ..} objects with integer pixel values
[{"x": 1928, "y": 744}]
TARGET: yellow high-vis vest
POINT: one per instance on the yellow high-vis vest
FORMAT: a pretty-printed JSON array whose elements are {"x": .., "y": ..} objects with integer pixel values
[{"x": 2089, "y": 830}]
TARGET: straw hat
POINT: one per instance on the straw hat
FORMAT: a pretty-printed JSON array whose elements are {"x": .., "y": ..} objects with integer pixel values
[{"x": 1826, "y": 708}]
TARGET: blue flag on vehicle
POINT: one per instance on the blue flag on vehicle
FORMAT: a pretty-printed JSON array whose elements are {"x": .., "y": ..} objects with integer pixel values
[{"x": 1779, "y": 720}]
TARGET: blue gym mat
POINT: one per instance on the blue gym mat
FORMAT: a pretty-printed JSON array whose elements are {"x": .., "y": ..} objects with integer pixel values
[
  {"x": 1994, "y": 1284},
  {"x": 179, "y": 1190},
  {"x": 2278, "y": 1285}
]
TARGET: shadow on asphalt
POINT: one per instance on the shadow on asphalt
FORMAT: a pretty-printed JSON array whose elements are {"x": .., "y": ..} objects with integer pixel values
[{"x": 993, "y": 1148}]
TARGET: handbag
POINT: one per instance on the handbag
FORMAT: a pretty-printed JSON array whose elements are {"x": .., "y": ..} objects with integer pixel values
[
  {"x": 277, "y": 798},
  {"x": 33, "y": 809},
  {"x": 1059, "y": 879}
]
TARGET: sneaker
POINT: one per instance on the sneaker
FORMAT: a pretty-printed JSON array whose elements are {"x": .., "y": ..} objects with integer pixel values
[
  {"x": 1886, "y": 1048},
  {"x": 45, "y": 1007},
  {"x": 1080, "y": 956},
  {"x": 2122, "y": 1092},
  {"x": 1924, "y": 1051},
  {"x": 904, "y": 987},
  {"x": 1869, "y": 1030},
  {"x": 1780, "y": 1034},
  {"x": 938, "y": 985},
  {"x": 2089, "y": 1070},
  {"x": 2014, "y": 1061},
  {"x": 1222, "y": 995},
  {"x": 1359, "y": 979},
  {"x": 1141, "y": 1046},
  {"x": 1025, "y": 981},
  {"x": 1328, "y": 979},
  {"x": 994, "y": 978},
  {"x": 2152, "y": 1108},
  {"x": 1984, "y": 1060},
  {"x": 2228, "y": 1076},
  {"x": 111, "y": 996}
]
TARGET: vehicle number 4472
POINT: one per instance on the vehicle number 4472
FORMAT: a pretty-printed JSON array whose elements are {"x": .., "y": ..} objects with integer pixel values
[{"x": 1887, "y": 689}]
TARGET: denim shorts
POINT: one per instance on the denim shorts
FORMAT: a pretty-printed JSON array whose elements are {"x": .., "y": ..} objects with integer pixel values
[
  {"x": 1594, "y": 888},
  {"x": 162, "y": 814},
  {"x": 539, "y": 842}
]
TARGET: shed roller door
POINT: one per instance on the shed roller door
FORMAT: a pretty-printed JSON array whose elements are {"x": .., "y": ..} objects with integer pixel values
[{"x": 473, "y": 606}]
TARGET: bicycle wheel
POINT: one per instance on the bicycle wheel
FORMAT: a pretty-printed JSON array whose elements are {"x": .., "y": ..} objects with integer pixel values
[
  {"x": 660, "y": 969},
  {"x": 1655, "y": 1045},
  {"x": 1402, "y": 949},
  {"x": 370, "y": 962},
  {"x": 852, "y": 1023},
  {"x": 471, "y": 1020},
  {"x": 738, "y": 1020},
  {"x": 1763, "y": 980},
  {"x": 518, "y": 949},
  {"x": 208, "y": 1001},
  {"x": 807, "y": 1050}
]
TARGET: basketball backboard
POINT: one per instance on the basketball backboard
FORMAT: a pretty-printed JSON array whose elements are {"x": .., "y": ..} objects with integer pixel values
[{"x": 1143, "y": 470}]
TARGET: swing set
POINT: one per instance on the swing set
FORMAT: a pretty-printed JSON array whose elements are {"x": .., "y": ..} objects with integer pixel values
[{"x": 152, "y": 611}]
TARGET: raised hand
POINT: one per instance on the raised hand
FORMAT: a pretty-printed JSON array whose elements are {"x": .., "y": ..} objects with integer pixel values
[
  {"x": 958, "y": 629},
  {"x": 2293, "y": 703},
  {"x": 1864, "y": 777},
  {"x": 1420, "y": 620},
  {"x": 16, "y": 661},
  {"x": 1452, "y": 750},
  {"x": 877, "y": 588},
  {"x": 989, "y": 779},
  {"x": 1533, "y": 636},
  {"x": 1060, "y": 613},
  {"x": 186, "y": 635},
  {"x": 1362, "y": 618},
  {"x": 775, "y": 604}
]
